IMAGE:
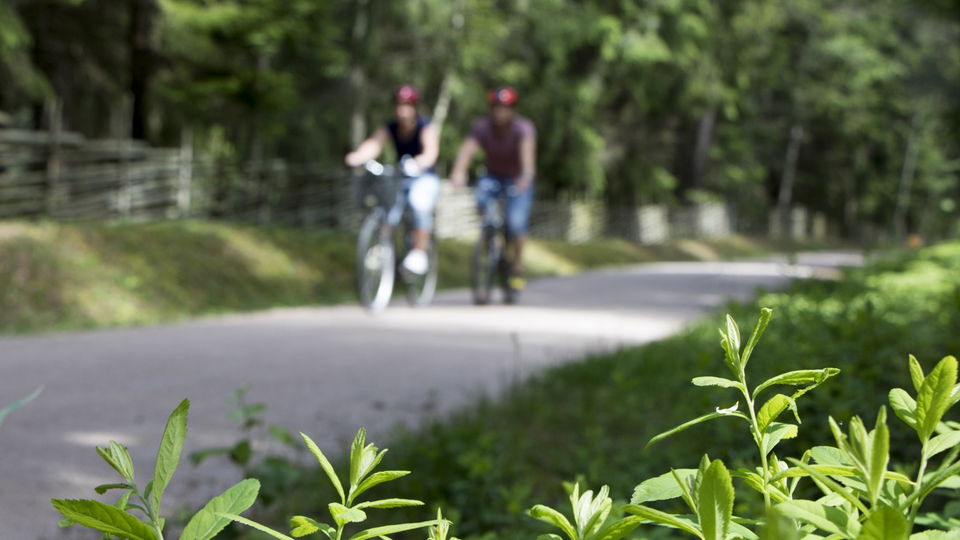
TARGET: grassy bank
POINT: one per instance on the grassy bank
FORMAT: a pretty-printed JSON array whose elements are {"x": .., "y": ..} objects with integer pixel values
[
  {"x": 591, "y": 419},
  {"x": 67, "y": 276}
]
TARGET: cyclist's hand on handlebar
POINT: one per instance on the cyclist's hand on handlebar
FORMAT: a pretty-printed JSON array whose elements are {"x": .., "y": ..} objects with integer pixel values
[{"x": 351, "y": 160}]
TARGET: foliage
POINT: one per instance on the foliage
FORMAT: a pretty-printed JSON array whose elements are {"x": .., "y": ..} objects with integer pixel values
[
  {"x": 486, "y": 465},
  {"x": 136, "y": 513},
  {"x": 634, "y": 101},
  {"x": 364, "y": 459}
]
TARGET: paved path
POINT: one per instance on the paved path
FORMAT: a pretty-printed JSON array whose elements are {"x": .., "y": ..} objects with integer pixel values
[{"x": 324, "y": 371}]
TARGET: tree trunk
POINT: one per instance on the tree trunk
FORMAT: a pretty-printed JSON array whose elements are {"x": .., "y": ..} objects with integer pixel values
[
  {"x": 907, "y": 174},
  {"x": 442, "y": 107},
  {"x": 358, "y": 79},
  {"x": 785, "y": 195},
  {"x": 704, "y": 141},
  {"x": 140, "y": 42}
]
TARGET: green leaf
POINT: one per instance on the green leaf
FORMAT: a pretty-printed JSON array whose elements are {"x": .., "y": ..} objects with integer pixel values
[
  {"x": 376, "y": 479},
  {"x": 343, "y": 515},
  {"x": 19, "y": 403},
  {"x": 620, "y": 528},
  {"x": 904, "y": 406},
  {"x": 940, "y": 443},
  {"x": 549, "y": 536},
  {"x": 772, "y": 409},
  {"x": 660, "y": 488},
  {"x": 103, "y": 488},
  {"x": 830, "y": 484},
  {"x": 686, "y": 425},
  {"x": 118, "y": 457},
  {"x": 826, "y": 518},
  {"x": 765, "y": 315},
  {"x": 255, "y": 525},
  {"x": 934, "y": 396},
  {"x": 733, "y": 340},
  {"x": 325, "y": 465},
  {"x": 916, "y": 373},
  {"x": 393, "y": 529},
  {"x": 716, "y": 381},
  {"x": 168, "y": 453},
  {"x": 779, "y": 527},
  {"x": 885, "y": 523},
  {"x": 776, "y": 432},
  {"x": 105, "y": 518},
  {"x": 389, "y": 503},
  {"x": 716, "y": 502},
  {"x": 304, "y": 526},
  {"x": 663, "y": 518},
  {"x": 879, "y": 455},
  {"x": 803, "y": 377},
  {"x": 357, "y": 449},
  {"x": 553, "y": 517},
  {"x": 208, "y": 522}
]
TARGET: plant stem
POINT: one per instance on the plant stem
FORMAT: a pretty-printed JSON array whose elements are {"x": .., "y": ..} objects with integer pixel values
[
  {"x": 915, "y": 509},
  {"x": 758, "y": 439}
]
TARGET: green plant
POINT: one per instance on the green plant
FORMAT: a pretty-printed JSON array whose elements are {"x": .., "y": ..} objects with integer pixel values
[
  {"x": 364, "y": 459},
  {"x": 136, "y": 513},
  {"x": 862, "y": 499},
  {"x": 591, "y": 517}
]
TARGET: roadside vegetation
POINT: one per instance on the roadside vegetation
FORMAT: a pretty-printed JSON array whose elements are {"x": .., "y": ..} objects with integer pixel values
[
  {"x": 57, "y": 276},
  {"x": 590, "y": 420}
]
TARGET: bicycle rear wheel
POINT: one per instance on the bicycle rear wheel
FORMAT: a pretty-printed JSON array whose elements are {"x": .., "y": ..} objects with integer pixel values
[
  {"x": 483, "y": 267},
  {"x": 376, "y": 268},
  {"x": 421, "y": 287}
]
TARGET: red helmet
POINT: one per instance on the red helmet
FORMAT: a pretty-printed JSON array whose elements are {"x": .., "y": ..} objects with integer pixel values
[
  {"x": 406, "y": 94},
  {"x": 504, "y": 95}
]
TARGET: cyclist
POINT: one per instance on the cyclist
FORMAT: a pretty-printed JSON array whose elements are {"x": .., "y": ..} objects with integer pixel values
[
  {"x": 508, "y": 141},
  {"x": 415, "y": 139}
]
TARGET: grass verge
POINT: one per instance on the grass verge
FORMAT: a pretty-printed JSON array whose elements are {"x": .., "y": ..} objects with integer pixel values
[
  {"x": 591, "y": 419},
  {"x": 88, "y": 275}
]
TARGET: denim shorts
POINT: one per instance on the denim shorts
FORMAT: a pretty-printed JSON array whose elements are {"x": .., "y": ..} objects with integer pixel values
[
  {"x": 420, "y": 194},
  {"x": 490, "y": 188}
]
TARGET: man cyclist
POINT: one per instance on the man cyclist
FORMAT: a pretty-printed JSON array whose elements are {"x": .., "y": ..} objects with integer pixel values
[
  {"x": 416, "y": 139},
  {"x": 509, "y": 144}
]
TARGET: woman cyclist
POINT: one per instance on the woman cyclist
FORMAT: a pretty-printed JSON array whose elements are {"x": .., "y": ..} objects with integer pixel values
[{"x": 414, "y": 137}]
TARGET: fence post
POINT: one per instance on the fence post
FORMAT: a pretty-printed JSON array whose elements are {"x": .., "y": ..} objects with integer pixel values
[
  {"x": 185, "y": 173},
  {"x": 54, "y": 158},
  {"x": 123, "y": 176}
]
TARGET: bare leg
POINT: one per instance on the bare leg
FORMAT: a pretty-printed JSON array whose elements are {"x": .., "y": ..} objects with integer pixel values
[{"x": 421, "y": 239}]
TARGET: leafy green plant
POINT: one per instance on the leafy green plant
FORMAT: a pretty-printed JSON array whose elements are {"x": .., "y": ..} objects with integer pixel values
[
  {"x": 591, "y": 517},
  {"x": 364, "y": 459},
  {"x": 136, "y": 513},
  {"x": 861, "y": 498}
]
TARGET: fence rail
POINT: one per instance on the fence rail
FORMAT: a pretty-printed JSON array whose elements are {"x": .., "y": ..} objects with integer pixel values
[{"x": 67, "y": 177}]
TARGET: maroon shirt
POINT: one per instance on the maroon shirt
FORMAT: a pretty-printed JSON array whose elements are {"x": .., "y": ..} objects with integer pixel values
[{"x": 502, "y": 147}]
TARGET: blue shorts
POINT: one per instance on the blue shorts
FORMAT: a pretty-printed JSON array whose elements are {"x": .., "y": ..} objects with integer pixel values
[
  {"x": 490, "y": 188},
  {"x": 420, "y": 196}
]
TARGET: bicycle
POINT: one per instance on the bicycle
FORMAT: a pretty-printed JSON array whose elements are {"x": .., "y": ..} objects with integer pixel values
[
  {"x": 386, "y": 231},
  {"x": 490, "y": 261}
]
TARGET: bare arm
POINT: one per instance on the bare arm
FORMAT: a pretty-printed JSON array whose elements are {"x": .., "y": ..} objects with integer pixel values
[
  {"x": 430, "y": 141},
  {"x": 468, "y": 148},
  {"x": 368, "y": 149},
  {"x": 528, "y": 162}
]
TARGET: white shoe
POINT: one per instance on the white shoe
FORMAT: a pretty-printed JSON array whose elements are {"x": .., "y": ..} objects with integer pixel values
[{"x": 416, "y": 262}]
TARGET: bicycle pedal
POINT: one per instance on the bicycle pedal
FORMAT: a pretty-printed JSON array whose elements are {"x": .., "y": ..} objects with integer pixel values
[{"x": 517, "y": 283}]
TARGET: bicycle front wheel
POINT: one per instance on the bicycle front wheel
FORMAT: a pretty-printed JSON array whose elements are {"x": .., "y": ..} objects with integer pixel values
[
  {"x": 421, "y": 287},
  {"x": 375, "y": 262},
  {"x": 483, "y": 268}
]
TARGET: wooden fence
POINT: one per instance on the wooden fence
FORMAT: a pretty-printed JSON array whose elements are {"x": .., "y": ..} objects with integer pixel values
[{"x": 67, "y": 177}]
